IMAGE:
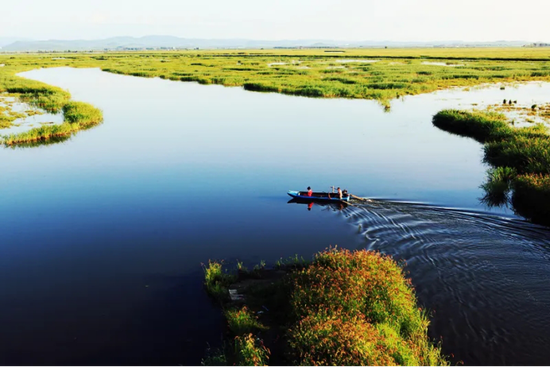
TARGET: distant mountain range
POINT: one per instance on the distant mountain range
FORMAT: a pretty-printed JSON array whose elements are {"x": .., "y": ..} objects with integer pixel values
[
  {"x": 9, "y": 40},
  {"x": 168, "y": 42}
]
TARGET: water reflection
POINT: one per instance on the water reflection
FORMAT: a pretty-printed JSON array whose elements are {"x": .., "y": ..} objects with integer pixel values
[
  {"x": 497, "y": 187},
  {"x": 180, "y": 173},
  {"x": 323, "y": 204}
]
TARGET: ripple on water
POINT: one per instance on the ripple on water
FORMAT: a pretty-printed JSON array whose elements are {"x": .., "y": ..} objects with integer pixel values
[{"x": 483, "y": 276}]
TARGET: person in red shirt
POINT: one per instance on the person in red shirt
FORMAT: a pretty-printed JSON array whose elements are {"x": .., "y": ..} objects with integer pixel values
[{"x": 309, "y": 191}]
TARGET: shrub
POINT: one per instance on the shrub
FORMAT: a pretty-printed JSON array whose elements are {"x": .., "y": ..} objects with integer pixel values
[
  {"x": 216, "y": 281},
  {"x": 331, "y": 341},
  {"x": 242, "y": 321},
  {"x": 356, "y": 308},
  {"x": 250, "y": 351}
]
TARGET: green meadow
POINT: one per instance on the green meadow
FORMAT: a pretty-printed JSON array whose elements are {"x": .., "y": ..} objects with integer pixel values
[
  {"x": 379, "y": 74},
  {"x": 357, "y": 73}
]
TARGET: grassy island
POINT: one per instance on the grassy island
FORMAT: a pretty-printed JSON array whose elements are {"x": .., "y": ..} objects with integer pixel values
[
  {"x": 343, "y": 308},
  {"x": 520, "y": 158}
]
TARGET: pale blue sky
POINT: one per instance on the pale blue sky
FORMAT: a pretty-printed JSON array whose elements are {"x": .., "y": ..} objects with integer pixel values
[{"x": 354, "y": 20}]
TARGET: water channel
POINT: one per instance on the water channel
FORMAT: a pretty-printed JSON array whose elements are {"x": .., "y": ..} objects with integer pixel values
[{"x": 103, "y": 235}]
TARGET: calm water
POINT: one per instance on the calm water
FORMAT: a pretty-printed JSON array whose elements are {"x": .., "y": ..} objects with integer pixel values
[{"x": 103, "y": 235}]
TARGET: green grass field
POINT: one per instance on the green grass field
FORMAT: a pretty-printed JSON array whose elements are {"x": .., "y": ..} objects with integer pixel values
[{"x": 379, "y": 74}]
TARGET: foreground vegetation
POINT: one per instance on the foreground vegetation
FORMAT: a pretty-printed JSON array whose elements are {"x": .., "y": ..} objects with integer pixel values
[
  {"x": 520, "y": 158},
  {"x": 343, "y": 308}
]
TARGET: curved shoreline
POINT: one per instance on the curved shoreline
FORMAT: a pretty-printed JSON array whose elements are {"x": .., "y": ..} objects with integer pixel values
[
  {"x": 382, "y": 81},
  {"x": 520, "y": 158},
  {"x": 77, "y": 115}
]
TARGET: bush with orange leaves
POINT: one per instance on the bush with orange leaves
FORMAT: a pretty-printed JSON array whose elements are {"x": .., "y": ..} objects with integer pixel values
[{"x": 357, "y": 308}]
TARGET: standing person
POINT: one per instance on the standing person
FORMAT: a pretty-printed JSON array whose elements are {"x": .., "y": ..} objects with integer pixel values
[
  {"x": 339, "y": 193},
  {"x": 309, "y": 191}
]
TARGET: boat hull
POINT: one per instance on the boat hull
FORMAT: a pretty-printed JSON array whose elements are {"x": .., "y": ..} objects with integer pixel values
[{"x": 317, "y": 196}]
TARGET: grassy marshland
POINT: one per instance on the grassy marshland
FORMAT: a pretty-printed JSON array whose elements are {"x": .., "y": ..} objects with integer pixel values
[
  {"x": 371, "y": 74},
  {"x": 356, "y": 73},
  {"x": 7, "y": 113},
  {"x": 379, "y": 74},
  {"x": 343, "y": 308},
  {"x": 78, "y": 116},
  {"x": 520, "y": 157}
]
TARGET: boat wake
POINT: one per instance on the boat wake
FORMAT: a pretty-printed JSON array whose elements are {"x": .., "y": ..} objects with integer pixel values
[{"x": 483, "y": 276}]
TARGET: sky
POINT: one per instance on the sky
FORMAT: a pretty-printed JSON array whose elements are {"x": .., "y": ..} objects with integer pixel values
[{"x": 343, "y": 20}]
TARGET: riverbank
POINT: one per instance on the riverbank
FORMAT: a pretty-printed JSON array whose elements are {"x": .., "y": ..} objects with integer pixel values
[
  {"x": 77, "y": 115},
  {"x": 382, "y": 75},
  {"x": 343, "y": 308},
  {"x": 520, "y": 158},
  {"x": 379, "y": 74}
]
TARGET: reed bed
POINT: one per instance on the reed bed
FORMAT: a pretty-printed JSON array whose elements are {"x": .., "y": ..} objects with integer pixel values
[
  {"x": 389, "y": 74},
  {"x": 520, "y": 157},
  {"x": 312, "y": 73},
  {"x": 77, "y": 116},
  {"x": 531, "y": 197},
  {"x": 315, "y": 73}
]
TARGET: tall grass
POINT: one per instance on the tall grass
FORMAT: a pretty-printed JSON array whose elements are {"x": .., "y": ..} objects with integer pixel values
[
  {"x": 531, "y": 197},
  {"x": 77, "y": 115},
  {"x": 498, "y": 185},
  {"x": 249, "y": 351},
  {"x": 482, "y": 126},
  {"x": 520, "y": 157},
  {"x": 242, "y": 321},
  {"x": 82, "y": 113},
  {"x": 383, "y": 80},
  {"x": 312, "y": 73},
  {"x": 217, "y": 281}
]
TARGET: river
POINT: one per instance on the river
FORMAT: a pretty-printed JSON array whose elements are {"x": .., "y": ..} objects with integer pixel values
[{"x": 103, "y": 235}]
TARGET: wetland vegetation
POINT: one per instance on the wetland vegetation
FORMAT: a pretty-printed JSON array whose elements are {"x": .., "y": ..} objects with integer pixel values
[
  {"x": 77, "y": 115},
  {"x": 378, "y": 74},
  {"x": 374, "y": 74},
  {"x": 342, "y": 308},
  {"x": 312, "y": 321},
  {"x": 520, "y": 157}
]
